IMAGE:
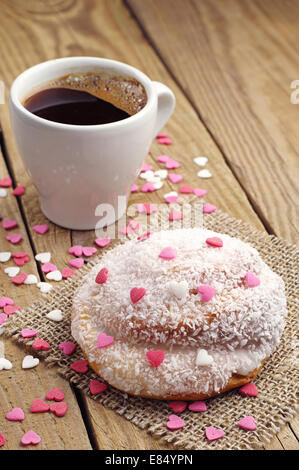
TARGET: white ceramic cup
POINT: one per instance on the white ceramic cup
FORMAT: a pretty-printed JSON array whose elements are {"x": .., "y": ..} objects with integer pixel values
[{"x": 77, "y": 168}]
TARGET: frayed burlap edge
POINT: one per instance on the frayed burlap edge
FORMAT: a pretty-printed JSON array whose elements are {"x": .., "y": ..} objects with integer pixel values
[{"x": 276, "y": 401}]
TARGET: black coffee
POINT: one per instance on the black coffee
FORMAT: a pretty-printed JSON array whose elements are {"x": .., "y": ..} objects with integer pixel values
[{"x": 87, "y": 99}]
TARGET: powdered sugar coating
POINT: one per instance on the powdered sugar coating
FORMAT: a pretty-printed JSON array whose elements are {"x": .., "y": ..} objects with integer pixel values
[{"x": 239, "y": 326}]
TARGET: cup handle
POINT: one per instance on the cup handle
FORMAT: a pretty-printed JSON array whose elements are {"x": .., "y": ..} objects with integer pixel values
[{"x": 166, "y": 104}]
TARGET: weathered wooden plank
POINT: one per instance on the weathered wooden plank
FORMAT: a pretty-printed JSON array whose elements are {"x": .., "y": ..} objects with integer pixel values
[{"x": 235, "y": 61}]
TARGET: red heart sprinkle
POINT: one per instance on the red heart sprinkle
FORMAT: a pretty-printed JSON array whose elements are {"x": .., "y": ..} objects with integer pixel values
[
  {"x": 178, "y": 406},
  {"x": 175, "y": 422},
  {"x": 102, "y": 276},
  {"x": 6, "y": 182},
  {"x": 144, "y": 236},
  {"x": 41, "y": 344},
  {"x": 67, "y": 347},
  {"x": 155, "y": 358},
  {"x": 19, "y": 279},
  {"x": 197, "y": 406},
  {"x": 55, "y": 394},
  {"x": 80, "y": 366},
  {"x": 214, "y": 241},
  {"x": 97, "y": 387},
  {"x": 249, "y": 390},
  {"x": 26, "y": 333},
  {"x": 137, "y": 293},
  {"x": 21, "y": 261},
  {"x": 30, "y": 438},
  {"x": 59, "y": 408},
  {"x": 20, "y": 254},
  {"x": 14, "y": 238},
  {"x": 247, "y": 423},
  {"x": 9, "y": 224},
  {"x": 164, "y": 141},
  {"x": 19, "y": 190},
  {"x": 212, "y": 434},
  {"x": 67, "y": 272},
  {"x": 104, "y": 340},
  {"x": 2, "y": 440},
  {"x": 10, "y": 309},
  {"x": 39, "y": 406},
  {"x": 185, "y": 189}
]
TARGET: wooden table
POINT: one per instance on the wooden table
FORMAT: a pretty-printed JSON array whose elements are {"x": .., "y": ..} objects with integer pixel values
[{"x": 230, "y": 64}]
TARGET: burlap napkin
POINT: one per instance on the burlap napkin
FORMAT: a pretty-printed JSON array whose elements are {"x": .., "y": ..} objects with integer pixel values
[{"x": 276, "y": 401}]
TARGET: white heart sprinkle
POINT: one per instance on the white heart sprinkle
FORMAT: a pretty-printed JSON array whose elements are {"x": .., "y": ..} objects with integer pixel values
[
  {"x": 12, "y": 271},
  {"x": 5, "y": 364},
  {"x": 31, "y": 279},
  {"x": 158, "y": 185},
  {"x": 29, "y": 362},
  {"x": 3, "y": 192},
  {"x": 2, "y": 329},
  {"x": 54, "y": 275},
  {"x": 146, "y": 175},
  {"x": 5, "y": 256},
  {"x": 43, "y": 257},
  {"x": 172, "y": 193},
  {"x": 200, "y": 161},
  {"x": 161, "y": 174},
  {"x": 154, "y": 179},
  {"x": 55, "y": 315},
  {"x": 203, "y": 358},
  {"x": 179, "y": 289},
  {"x": 44, "y": 287},
  {"x": 204, "y": 174}
]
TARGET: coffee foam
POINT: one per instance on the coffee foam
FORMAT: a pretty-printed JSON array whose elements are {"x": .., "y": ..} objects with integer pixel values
[{"x": 124, "y": 92}]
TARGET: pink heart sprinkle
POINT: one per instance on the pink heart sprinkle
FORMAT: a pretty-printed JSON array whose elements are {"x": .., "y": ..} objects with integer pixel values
[
  {"x": 9, "y": 224},
  {"x": 148, "y": 188},
  {"x": 175, "y": 215},
  {"x": 163, "y": 158},
  {"x": 171, "y": 164},
  {"x": 41, "y": 344},
  {"x": 59, "y": 409},
  {"x": 249, "y": 390},
  {"x": 16, "y": 414},
  {"x": 102, "y": 276},
  {"x": 80, "y": 366},
  {"x": 26, "y": 333},
  {"x": 76, "y": 263},
  {"x": 175, "y": 178},
  {"x": 11, "y": 309},
  {"x": 164, "y": 141},
  {"x": 155, "y": 358},
  {"x": 135, "y": 188},
  {"x": 3, "y": 318},
  {"x": 175, "y": 422},
  {"x": 30, "y": 438},
  {"x": 67, "y": 272},
  {"x": 207, "y": 292},
  {"x": 127, "y": 230},
  {"x": 146, "y": 167},
  {"x": 20, "y": 254},
  {"x": 214, "y": 241},
  {"x": 199, "y": 192},
  {"x": 147, "y": 208},
  {"x": 5, "y": 301},
  {"x": 134, "y": 225},
  {"x": 2, "y": 440},
  {"x": 185, "y": 189},
  {"x": 104, "y": 340},
  {"x": 171, "y": 199},
  {"x": 252, "y": 280},
  {"x": 97, "y": 387},
  {"x": 208, "y": 208},
  {"x": 6, "y": 182},
  {"x": 102, "y": 242},
  {"x": 137, "y": 293},
  {"x": 21, "y": 261},
  {"x": 48, "y": 268},
  {"x": 19, "y": 279},
  {"x": 247, "y": 423},
  {"x": 89, "y": 250},
  {"x": 76, "y": 250},
  {"x": 197, "y": 406},
  {"x": 168, "y": 253},
  {"x": 144, "y": 236},
  {"x": 212, "y": 434},
  {"x": 162, "y": 136},
  {"x": 14, "y": 238},
  {"x": 41, "y": 229},
  {"x": 39, "y": 406},
  {"x": 178, "y": 406},
  {"x": 19, "y": 190},
  {"x": 55, "y": 394},
  {"x": 68, "y": 347}
]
